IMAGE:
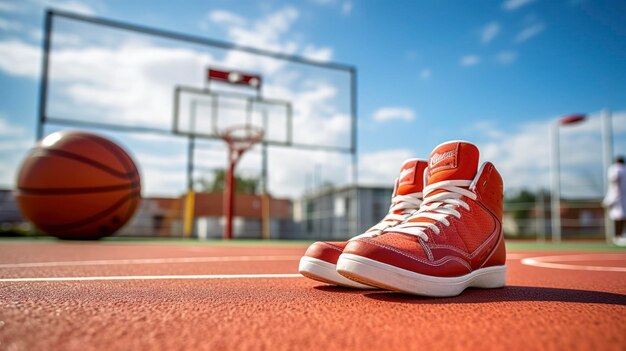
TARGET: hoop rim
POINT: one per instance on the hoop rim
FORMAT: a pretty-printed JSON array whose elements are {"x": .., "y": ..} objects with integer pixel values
[{"x": 254, "y": 135}]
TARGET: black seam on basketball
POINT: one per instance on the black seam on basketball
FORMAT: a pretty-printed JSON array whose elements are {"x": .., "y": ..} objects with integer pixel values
[
  {"x": 78, "y": 191},
  {"x": 115, "y": 152},
  {"x": 97, "y": 216},
  {"x": 90, "y": 162}
]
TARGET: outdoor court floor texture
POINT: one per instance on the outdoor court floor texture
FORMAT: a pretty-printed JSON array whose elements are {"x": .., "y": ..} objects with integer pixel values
[{"x": 185, "y": 295}]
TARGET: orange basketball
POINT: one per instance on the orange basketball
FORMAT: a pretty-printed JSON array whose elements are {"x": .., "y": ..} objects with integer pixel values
[{"x": 77, "y": 185}]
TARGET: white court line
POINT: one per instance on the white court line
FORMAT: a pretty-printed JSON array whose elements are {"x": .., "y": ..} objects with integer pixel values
[
  {"x": 138, "y": 261},
  {"x": 151, "y": 261},
  {"x": 514, "y": 256},
  {"x": 152, "y": 277},
  {"x": 548, "y": 262}
]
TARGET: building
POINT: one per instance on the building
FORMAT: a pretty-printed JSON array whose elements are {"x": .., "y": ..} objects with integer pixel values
[
  {"x": 155, "y": 217},
  {"x": 164, "y": 217},
  {"x": 580, "y": 218},
  {"x": 334, "y": 214},
  {"x": 247, "y": 222},
  {"x": 11, "y": 220}
]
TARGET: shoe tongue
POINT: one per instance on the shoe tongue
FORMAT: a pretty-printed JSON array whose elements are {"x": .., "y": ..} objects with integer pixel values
[
  {"x": 411, "y": 179},
  {"x": 455, "y": 160}
]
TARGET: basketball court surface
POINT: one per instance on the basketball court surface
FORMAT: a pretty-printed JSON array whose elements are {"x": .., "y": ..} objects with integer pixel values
[
  {"x": 121, "y": 294},
  {"x": 183, "y": 295}
]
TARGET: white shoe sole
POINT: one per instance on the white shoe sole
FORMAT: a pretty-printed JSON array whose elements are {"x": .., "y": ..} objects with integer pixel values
[
  {"x": 619, "y": 241},
  {"x": 325, "y": 272},
  {"x": 385, "y": 276}
]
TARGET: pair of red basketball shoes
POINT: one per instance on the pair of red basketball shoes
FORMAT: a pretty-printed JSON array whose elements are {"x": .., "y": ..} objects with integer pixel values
[{"x": 443, "y": 232}]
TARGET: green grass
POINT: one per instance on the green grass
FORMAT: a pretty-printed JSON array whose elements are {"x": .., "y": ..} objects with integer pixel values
[
  {"x": 512, "y": 245},
  {"x": 150, "y": 241}
]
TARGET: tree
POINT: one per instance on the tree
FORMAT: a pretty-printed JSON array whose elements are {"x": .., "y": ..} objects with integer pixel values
[
  {"x": 525, "y": 207},
  {"x": 245, "y": 185},
  {"x": 524, "y": 198}
]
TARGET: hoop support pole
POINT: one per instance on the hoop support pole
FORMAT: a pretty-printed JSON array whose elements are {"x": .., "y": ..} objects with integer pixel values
[
  {"x": 229, "y": 194},
  {"x": 265, "y": 216},
  {"x": 189, "y": 214},
  {"x": 235, "y": 151}
]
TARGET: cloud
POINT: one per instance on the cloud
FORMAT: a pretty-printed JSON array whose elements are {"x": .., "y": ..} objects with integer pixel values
[
  {"x": 344, "y": 6},
  {"x": 84, "y": 80},
  {"x": 9, "y": 25},
  {"x": 290, "y": 181},
  {"x": 10, "y": 7},
  {"x": 385, "y": 114},
  {"x": 489, "y": 32},
  {"x": 425, "y": 73},
  {"x": 161, "y": 174},
  {"x": 522, "y": 155},
  {"x": 271, "y": 32},
  {"x": 529, "y": 32},
  {"x": 267, "y": 32},
  {"x": 487, "y": 128},
  {"x": 68, "y": 5},
  {"x": 14, "y": 143},
  {"x": 36, "y": 6},
  {"x": 11, "y": 159},
  {"x": 382, "y": 167},
  {"x": 469, "y": 60},
  {"x": 511, "y": 5},
  {"x": 323, "y": 54},
  {"x": 84, "y": 73},
  {"x": 129, "y": 80},
  {"x": 506, "y": 57},
  {"x": 10, "y": 146},
  {"x": 59, "y": 39},
  {"x": 225, "y": 17},
  {"x": 19, "y": 59},
  {"x": 7, "y": 129}
]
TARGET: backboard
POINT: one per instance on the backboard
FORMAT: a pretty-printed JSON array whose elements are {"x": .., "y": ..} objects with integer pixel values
[{"x": 204, "y": 113}]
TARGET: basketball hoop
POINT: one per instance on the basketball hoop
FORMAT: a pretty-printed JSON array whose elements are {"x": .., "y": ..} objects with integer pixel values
[{"x": 239, "y": 139}]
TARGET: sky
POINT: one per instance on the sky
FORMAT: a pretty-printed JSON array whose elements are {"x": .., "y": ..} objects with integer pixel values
[{"x": 498, "y": 73}]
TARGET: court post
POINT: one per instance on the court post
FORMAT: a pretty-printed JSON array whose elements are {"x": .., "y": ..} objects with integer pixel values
[
  {"x": 555, "y": 196},
  {"x": 607, "y": 158}
]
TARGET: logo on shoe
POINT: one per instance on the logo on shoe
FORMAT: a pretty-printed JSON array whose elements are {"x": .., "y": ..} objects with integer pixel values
[
  {"x": 436, "y": 158},
  {"x": 444, "y": 158},
  {"x": 405, "y": 173}
]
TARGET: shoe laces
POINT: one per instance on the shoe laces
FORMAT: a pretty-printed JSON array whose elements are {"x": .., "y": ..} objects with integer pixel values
[
  {"x": 437, "y": 207},
  {"x": 402, "y": 207}
]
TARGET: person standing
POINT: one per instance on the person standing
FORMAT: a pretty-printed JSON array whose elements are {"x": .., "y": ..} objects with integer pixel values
[{"x": 615, "y": 199}]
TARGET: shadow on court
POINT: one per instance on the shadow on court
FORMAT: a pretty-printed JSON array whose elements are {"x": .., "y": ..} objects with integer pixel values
[
  {"x": 506, "y": 294},
  {"x": 342, "y": 290}
]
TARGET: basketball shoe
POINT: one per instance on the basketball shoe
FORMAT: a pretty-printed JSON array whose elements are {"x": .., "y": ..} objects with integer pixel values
[
  {"x": 319, "y": 261},
  {"x": 452, "y": 242}
]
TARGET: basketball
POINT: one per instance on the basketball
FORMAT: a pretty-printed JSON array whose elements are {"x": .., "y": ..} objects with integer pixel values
[{"x": 78, "y": 185}]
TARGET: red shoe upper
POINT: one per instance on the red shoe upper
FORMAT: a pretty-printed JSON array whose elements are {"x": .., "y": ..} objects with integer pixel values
[
  {"x": 328, "y": 251},
  {"x": 472, "y": 241},
  {"x": 410, "y": 182}
]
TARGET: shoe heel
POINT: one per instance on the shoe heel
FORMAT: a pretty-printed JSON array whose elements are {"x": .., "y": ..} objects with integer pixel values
[{"x": 491, "y": 277}]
